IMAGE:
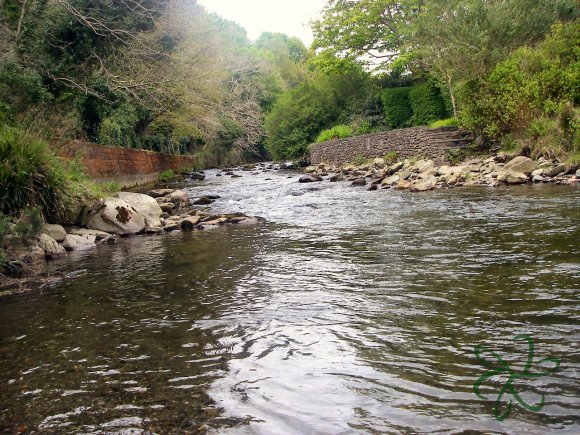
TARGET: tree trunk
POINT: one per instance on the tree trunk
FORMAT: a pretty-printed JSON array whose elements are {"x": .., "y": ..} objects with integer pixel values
[
  {"x": 453, "y": 102},
  {"x": 21, "y": 19}
]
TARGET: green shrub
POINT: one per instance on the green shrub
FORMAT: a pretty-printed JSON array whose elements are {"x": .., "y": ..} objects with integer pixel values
[
  {"x": 397, "y": 107},
  {"x": 531, "y": 83},
  {"x": 31, "y": 176},
  {"x": 166, "y": 176},
  {"x": 427, "y": 104},
  {"x": 336, "y": 132},
  {"x": 390, "y": 157},
  {"x": 449, "y": 122}
]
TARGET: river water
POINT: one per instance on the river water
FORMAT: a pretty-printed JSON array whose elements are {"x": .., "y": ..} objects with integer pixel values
[{"x": 345, "y": 311}]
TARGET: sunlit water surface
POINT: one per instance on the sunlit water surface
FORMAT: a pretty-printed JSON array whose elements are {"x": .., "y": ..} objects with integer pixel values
[{"x": 346, "y": 311}]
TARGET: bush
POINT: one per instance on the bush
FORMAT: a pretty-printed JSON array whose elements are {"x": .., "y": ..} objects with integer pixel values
[
  {"x": 427, "y": 104},
  {"x": 397, "y": 107},
  {"x": 31, "y": 176},
  {"x": 529, "y": 84},
  {"x": 391, "y": 157},
  {"x": 336, "y": 132},
  {"x": 449, "y": 122},
  {"x": 166, "y": 176}
]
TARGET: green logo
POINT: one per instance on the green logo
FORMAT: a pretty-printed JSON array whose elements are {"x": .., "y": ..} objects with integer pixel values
[{"x": 499, "y": 367}]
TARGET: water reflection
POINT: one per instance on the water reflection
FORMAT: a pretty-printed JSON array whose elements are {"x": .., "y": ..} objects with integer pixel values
[{"x": 350, "y": 311}]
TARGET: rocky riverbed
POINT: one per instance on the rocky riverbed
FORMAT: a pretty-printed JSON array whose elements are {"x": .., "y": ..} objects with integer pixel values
[{"x": 418, "y": 175}]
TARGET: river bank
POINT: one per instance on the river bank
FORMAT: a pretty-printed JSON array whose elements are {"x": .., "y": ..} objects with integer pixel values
[{"x": 419, "y": 175}]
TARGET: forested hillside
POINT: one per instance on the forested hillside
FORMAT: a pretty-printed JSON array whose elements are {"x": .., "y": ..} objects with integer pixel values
[{"x": 158, "y": 75}]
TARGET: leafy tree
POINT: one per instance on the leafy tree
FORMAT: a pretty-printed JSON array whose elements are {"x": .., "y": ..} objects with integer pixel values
[
  {"x": 364, "y": 29},
  {"x": 319, "y": 103}
]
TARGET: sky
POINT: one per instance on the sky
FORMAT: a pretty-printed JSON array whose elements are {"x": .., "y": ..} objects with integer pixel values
[{"x": 256, "y": 16}]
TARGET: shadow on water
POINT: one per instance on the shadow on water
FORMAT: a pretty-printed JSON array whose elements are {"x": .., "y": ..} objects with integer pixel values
[{"x": 349, "y": 311}]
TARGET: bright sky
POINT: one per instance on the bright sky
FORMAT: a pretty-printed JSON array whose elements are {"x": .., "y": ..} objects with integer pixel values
[{"x": 256, "y": 16}]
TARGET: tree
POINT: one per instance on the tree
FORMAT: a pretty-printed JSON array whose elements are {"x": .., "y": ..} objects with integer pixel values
[
  {"x": 462, "y": 40},
  {"x": 370, "y": 31}
]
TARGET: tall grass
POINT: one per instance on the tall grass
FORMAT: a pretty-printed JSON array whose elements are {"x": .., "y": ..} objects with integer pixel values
[{"x": 31, "y": 176}]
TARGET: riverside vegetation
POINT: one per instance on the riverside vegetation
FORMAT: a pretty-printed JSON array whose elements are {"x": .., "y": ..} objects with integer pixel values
[{"x": 170, "y": 77}]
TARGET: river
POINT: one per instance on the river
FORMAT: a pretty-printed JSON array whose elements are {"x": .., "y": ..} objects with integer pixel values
[{"x": 344, "y": 311}]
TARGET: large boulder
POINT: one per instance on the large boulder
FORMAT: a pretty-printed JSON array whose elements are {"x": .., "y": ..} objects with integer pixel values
[
  {"x": 50, "y": 246},
  {"x": 179, "y": 198},
  {"x": 427, "y": 183},
  {"x": 389, "y": 181},
  {"x": 512, "y": 177},
  {"x": 557, "y": 170},
  {"x": 422, "y": 166},
  {"x": 145, "y": 205},
  {"x": 56, "y": 232},
  {"x": 521, "y": 164},
  {"x": 379, "y": 162},
  {"x": 78, "y": 243},
  {"x": 113, "y": 215}
]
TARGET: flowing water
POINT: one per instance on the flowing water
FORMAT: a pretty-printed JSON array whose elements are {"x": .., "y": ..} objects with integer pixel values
[{"x": 345, "y": 311}]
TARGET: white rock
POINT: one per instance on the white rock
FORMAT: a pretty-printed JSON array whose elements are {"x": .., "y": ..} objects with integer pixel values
[
  {"x": 113, "y": 215},
  {"x": 145, "y": 205},
  {"x": 389, "y": 181},
  {"x": 78, "y": 243},
  {"x": 521, "y": 164},
  {"x": 427, "y": 183}
]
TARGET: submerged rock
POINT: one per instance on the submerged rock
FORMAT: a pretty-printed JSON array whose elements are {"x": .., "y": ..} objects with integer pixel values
[
  {"x": 204, "y": 200},
  {"x": 309, "y": 179},
  {"x": 189, "y": 223}
]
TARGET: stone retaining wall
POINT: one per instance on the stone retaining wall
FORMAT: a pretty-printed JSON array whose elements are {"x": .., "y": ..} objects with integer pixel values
[
  {"x": 127, "y": 166},
  {"x": 407, "y": 142}
]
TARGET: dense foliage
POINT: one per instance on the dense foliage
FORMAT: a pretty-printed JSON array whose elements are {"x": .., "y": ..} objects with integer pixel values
[
  {"x": 159, "y": 75},
  {"x": 168, "y": 76},
  {"x": 502, "y": 68}
]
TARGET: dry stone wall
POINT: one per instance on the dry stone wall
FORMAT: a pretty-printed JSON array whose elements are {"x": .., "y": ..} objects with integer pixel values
[
  {"x": 407, "y": 142},
  {"x": 127, "y": 166}
]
